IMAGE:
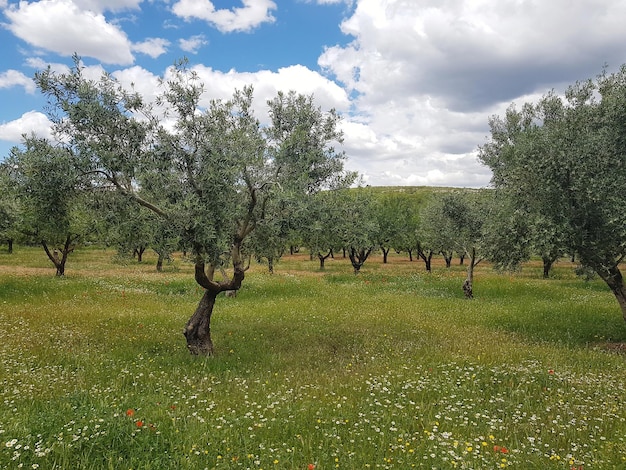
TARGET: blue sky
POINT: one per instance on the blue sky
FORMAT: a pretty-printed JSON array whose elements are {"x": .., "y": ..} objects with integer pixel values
[{"x": 415, "y": 80}]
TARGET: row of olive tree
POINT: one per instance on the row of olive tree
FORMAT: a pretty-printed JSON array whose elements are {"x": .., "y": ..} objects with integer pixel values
[{"x": 218, "y": 185}]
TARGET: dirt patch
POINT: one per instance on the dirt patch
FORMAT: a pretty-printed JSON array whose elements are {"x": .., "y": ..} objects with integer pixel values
[
  {"x": 25, "y": 271},
  {"x": 619, "y": 348}
]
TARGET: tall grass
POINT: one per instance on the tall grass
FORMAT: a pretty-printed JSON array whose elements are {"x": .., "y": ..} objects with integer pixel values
[{"x": 388, "y": 369}]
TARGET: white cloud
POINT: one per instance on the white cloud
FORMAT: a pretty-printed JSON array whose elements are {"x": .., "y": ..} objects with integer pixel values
[
  {"x": 38, "y": 63},
  {"x": 30, "y": 122},
  {"x": 425, "y": 75},
  {"x": 140, "y": 80},
  {"x": 473, "y": 52},
  {"x": 12, "y": 78},
  {"x": 154, "y": 47},
  {"x": 60, "y": 26},
  {"x": 107, "y": 5},
  {"x": 252, "y": 14},
  {"x": 192, "y": 44},
  {"x": 220, "y": 85}
]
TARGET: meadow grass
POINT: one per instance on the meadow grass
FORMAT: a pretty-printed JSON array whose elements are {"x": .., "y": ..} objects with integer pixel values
[{"x": 392, "y": 368}]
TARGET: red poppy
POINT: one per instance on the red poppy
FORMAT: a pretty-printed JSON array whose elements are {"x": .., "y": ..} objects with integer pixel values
[
  {"x": 311, "y": 467},
  {"x": 130, "y": 412},
  {"x": 551, "y": 371},
  {"x": 139, "y": 423},
  {"x": 500, "y": 449}
]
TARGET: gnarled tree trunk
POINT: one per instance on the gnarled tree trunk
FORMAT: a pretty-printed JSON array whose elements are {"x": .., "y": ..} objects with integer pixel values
[
  {"x": 59, "y": 261},
  {"x": 323, "y": 258},
  {"x": 198, "y": 328},
  {"x": 547, "y": 265},
  {"x": 426, "y": 255},
  {"x": 613, "y": 278},
  {"x": 385, "y": 253},
  {"x": 358, "y": 257},
  {"x": 468, "y": 285}
]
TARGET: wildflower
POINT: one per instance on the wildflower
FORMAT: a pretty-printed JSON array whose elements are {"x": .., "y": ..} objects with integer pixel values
[
  {"x": 311, "y": 467},
  {"x": 551, "y": 371},
  {"x": 500, "y": 449},
  {"x": 130, "y": 412},
  {"x": 139, "y": 423}
]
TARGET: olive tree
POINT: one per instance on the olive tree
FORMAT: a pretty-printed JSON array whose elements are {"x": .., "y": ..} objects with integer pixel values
[
  {"x": 395, "y": 215},
  {"x": 456, "y": 221},
  {"x": 321, "y": 225},
  {"x": 10, "y": 208},
  {"x": 359, "y": 226},
  {"x": 49, "y": 187},
  {"x": 564, "y": 159},
  {"x": 437, "y": 231},
  {"x": 209, "y": 168}
]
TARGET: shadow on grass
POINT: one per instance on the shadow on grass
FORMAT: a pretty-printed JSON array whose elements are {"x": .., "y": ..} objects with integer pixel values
[{"x": 573, "y": 312}]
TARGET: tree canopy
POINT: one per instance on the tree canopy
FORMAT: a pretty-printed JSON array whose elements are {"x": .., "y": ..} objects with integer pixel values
[{"x": 563, "y": 162}]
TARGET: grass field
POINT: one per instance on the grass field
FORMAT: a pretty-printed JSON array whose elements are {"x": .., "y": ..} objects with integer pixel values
[{"x": 392, "y": 368}]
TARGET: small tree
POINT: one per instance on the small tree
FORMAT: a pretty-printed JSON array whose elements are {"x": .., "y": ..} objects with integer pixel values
[
  {"x": 10, "y": 208},
  {"x": 436, "y": 230},
  {"x": 321, "y": 224},
  {"x": 359, "y": 226},
  {"x": 48, "y": 184},
  {"x": 460, "y": 216}
]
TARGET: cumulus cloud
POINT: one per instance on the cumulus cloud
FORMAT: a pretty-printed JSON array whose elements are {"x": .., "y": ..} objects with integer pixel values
[
  {"x": 266, "y": 83},
  {"x": 473, "y": 53},
  {"x": 141, "y": 80},
  {"x": 193, "y": 43},
  {"x": 252, "y": 14},
  {"x": 108, "y": 5},
  {"x": 60, "y": 26},
  {"x": 12, "y": 78},
  {"x": 32, "y": 122},
  {"x": 153, "y": 47},
  {"x": 38, "y": 63},
  {"x": 426, "y": 75}
]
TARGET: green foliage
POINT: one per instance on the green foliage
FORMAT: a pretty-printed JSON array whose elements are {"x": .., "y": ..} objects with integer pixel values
[
  {"x": 563, "y": 162},
  {"x": 47, "y": 184},
  {"x": 54, "y": 209},
  {"x": 209, "y": 170},
  {"x": 397, "y": 218},
  {"x": 10, "y": 208}
]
